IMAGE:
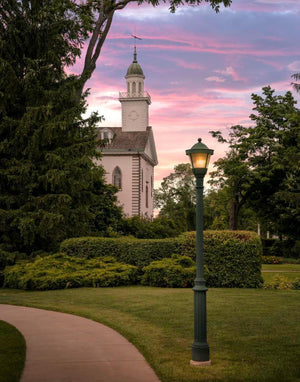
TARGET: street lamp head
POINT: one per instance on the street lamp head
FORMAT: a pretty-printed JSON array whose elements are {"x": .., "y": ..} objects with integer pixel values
[{"x": 199, "y": 155}]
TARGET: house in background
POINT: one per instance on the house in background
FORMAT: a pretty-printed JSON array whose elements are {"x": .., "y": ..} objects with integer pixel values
[{"x": 129, "y": 156}]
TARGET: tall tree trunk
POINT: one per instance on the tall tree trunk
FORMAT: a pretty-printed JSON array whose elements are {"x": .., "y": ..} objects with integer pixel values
[
  {"x": 98, "y": 37},
  {"x": 234, "y": 213}
]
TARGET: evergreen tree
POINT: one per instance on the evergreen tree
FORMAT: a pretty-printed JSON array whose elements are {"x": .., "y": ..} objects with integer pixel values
[{"x": 50, "y": 188}]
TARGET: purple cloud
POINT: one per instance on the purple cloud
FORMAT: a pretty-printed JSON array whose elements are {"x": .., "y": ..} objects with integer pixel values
[{"x": 200, "y": 68}]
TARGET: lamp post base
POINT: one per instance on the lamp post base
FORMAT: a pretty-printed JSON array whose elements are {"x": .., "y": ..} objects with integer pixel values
[{"x": 200, "y": 363}]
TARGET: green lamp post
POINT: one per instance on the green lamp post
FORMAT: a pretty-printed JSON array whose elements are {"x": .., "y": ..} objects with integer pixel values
[{"x": 199, "y": 155}]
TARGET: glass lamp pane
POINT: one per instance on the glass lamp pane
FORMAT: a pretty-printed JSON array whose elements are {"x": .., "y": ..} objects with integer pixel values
[
  {"x": 199, "y": 160},
  {"x": 207, "y": 161}
]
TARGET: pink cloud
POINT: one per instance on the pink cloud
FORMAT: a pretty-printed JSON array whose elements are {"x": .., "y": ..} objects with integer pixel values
[{"x": 215, "y": 79}]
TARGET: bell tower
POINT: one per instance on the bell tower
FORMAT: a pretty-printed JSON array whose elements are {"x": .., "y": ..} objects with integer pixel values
[{"x": 135, "y": 101}]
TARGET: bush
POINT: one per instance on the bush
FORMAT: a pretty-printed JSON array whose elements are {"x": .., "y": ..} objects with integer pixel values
[
  {"x": 272, "y": 260},
  {"x": 279, "y": 282},
  {"x": 61, "y": 271},
  {"x": 175, "y": 272},
  {"x": 296, "y": 284},
  {"x": 7, "y": 258},
  {"x": 233, "y": 258},
  {"x": 137, "y": 252}
]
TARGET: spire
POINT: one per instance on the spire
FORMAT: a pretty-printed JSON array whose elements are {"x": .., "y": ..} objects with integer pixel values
[
  {"x": 135, "y": 68},
  {"x": 134, "y": 52}
]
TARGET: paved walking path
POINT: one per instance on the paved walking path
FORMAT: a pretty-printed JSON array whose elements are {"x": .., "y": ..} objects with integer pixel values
[{"x": 66, "y": 348}]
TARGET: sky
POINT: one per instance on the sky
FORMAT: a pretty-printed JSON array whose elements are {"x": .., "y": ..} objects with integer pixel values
[{"x": 201, "y": 68}]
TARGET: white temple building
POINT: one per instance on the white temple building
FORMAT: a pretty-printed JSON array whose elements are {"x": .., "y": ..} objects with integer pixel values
[{"x": 129, "y": 156}]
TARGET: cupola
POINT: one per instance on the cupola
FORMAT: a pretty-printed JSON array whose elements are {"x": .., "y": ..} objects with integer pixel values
[
  {"x": 135, "y": 68},
  {"x": 135, "y": 78}
]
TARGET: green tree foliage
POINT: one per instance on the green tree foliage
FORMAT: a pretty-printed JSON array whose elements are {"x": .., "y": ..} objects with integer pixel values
[
  {"x": 262, "y": 167},
  {"x": 217, "y": 203},
  {"x": 232, "y": 175},
  {"x": 296, "y": 85},
  {"x": 176, "y": 197},
  {"x": 216, "y": 211},
  {"x": 143, "y": 228},
  {"x": 49, "y": 187}
]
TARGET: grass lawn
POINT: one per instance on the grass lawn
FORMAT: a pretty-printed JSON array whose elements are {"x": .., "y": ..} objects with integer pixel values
[
  {"x": 12, "y": 353},
  {"x": 253, "y": 334},
  {"x": 288, "y": 271}
]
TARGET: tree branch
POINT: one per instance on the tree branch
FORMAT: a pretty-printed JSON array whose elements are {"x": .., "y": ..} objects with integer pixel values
[{"x": 101, "y": 29}]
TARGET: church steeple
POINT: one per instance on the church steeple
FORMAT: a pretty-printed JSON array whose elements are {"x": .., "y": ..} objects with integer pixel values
[{"x": 135, "y": 101}]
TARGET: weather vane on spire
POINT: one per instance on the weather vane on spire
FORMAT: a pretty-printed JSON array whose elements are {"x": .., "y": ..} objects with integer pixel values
[
  {"x": 134, "y": 53},
  {"x": 135, "y": 38}
]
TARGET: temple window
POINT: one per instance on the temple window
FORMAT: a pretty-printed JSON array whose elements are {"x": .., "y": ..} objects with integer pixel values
[{"x": 117, "y": 177}]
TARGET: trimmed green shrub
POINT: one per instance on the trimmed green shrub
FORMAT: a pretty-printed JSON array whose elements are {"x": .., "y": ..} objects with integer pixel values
[
  {"x": 175, "y": 272},
  {"x": 233, "y": 258},
  {"x": 138, "y": 252},
  {"x": 272, "y": 260},
  {"x": 60, "y": 271}
]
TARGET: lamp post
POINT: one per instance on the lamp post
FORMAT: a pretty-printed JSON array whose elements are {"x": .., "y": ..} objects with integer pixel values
[{"x": 199, "y": 155}]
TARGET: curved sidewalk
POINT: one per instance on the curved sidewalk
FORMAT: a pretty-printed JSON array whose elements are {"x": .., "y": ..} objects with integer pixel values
[{"x": 66, "y": 348}]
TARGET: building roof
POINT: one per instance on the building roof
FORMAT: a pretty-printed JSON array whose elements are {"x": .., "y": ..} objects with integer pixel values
[{"x": 129, "y": 141}]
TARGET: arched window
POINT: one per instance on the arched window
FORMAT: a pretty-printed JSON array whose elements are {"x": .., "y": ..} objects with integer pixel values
[
  {"x": 147, "y": 197},
  {"x": 140, "y": 88},
  {"x": 117, "y": 177},
  {"x": 128, "y": 88},
  {"x": 133, "y": 88}
]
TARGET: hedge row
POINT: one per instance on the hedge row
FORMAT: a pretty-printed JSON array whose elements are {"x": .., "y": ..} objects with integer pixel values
[
  {"x": 60, "y": 271},
  {"x": 138, "y": 252},
  {"x": 233, "y": 258}
]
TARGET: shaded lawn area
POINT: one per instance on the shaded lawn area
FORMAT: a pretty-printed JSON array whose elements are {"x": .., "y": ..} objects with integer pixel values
[
  {"x": 288, "y": 271},
  {"x": 281, "y": 267},
  {"x": 253, "y": 334},
  {"x": 12, "y": 353}
]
